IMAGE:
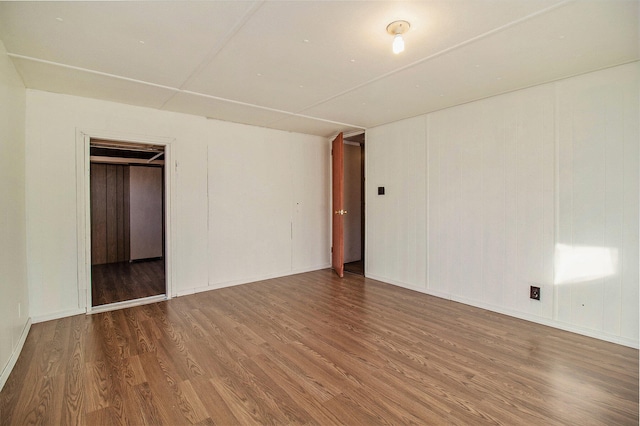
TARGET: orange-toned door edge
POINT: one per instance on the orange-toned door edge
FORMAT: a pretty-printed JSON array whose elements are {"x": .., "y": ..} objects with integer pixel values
[{"x": 337, "y": 211}]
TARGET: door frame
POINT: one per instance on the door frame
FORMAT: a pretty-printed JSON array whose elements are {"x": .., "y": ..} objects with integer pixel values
[{"x": 83, "y": 214}]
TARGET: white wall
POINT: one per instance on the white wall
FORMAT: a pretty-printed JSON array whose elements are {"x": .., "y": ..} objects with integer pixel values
[
  {"x": 395, "y": 223},
  {"x": 490, "y": 194},
  {"x": 14, "y": 303},
  {"x": 250, "y": 203},
  {"x": 268, "y": 206},
  {"x": 597, "y": 240},
  {"x": 538, "y": 186}
]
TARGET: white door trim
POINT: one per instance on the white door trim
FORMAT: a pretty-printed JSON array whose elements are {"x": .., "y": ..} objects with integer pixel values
[{"x": 83, "y": 211}]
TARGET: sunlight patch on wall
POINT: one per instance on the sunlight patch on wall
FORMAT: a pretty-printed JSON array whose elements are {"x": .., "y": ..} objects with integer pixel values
[{"x": 584, "y": 263}]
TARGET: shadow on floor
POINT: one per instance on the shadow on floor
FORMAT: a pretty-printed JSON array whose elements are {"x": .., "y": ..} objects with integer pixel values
[
  {"x": 117, "y": 282},
  {"x": 356, "y": 267}
]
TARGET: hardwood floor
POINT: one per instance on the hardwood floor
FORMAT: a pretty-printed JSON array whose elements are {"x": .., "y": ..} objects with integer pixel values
[
  {"x": 316, "y": 349},
  {"x": 356, "y": 267},
  {"x": 116, "y": 282}
]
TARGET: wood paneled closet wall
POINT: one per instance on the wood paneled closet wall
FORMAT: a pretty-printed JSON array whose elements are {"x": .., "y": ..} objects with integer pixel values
[
  {"x": 109, "y": 213},
  {"x": 127, "y": 221}
]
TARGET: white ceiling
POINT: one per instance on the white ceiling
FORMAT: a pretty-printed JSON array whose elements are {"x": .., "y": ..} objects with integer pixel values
[{"x": 316, "y": 67}]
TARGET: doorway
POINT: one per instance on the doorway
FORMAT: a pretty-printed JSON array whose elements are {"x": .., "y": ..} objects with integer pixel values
[
  {"x": 354, "y": 203},
  {"x": 127, "y": 222}
]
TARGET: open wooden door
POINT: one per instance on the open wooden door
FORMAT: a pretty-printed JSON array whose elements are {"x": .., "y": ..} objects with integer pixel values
[{"x": 337, "y": 165}]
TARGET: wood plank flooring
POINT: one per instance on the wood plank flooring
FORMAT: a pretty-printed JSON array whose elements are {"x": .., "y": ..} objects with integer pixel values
[
  {"x": 116, "y": 282},
  {"x": 356, "y": 267},
  {"x": 315, "y": 349}
]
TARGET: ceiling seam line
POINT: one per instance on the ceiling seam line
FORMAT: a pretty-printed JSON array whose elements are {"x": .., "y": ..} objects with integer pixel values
[
  {"x": 444, "y": 51},
  {"x": 177, "y": 90},
  {"x": 217, "y": 49},
  {"x": 223, "y": 41},
  {"x": 293, "y": 114},
  {"x": 519, "y": 88},
  {"x": 105, "y": 74}
]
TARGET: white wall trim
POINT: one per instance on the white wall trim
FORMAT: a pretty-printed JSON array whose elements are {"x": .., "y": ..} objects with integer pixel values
[
  {"x": 83, "y": 139},
  {"x": 520, "y": 315},
  {"x": 226, "y": 284},
  {"x": 57, "y": 315},
  {"x": 398, "y": 283},
  {"x": 310, "y": 269},
  {"x": 6, "y": 371},
  {"x": 128, "y": 304},
  {"x": 551, "y": 323}
]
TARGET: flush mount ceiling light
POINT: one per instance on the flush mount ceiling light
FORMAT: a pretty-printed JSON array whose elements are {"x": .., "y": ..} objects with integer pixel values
[{"x": 396, "y": 29}]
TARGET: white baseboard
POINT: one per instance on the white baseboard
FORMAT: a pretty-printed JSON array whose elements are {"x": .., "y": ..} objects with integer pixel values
[
  {"x": 58, "y": 315},
  {"x": 552, "y": 323},
  {"x": 225, "y": 284},
  {"x": 520, "y": 315},
  {"x": 128, "y": 304},
  {"x": 311, "y": 269},
  {"x": 6, "y": 371}
]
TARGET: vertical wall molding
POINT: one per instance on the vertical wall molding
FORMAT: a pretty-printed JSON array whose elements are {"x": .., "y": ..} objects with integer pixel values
[
  {"x": 427, "y": 218},
  {"x": 110, "y": 241}
]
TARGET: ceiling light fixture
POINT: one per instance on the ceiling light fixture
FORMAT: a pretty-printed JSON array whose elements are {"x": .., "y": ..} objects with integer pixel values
[{"x": 396, "y": 29}]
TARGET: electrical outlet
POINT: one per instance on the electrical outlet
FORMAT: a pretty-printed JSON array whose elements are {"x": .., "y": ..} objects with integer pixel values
[{"x": 534, "y": 293}]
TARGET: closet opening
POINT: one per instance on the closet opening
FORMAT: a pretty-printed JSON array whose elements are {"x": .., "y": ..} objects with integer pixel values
[{"x": 127, "y": 213}]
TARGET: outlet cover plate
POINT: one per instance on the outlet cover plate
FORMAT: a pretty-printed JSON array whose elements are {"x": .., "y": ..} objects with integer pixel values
[{"x": 534, "y": 293}]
